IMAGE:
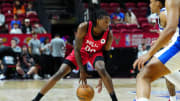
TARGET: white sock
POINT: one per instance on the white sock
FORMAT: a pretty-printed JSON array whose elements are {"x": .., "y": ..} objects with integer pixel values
[
  {"x": 174, "y": 78},
  {"x": 172, "y": 98},
  {"x": 142, "y": 99}
]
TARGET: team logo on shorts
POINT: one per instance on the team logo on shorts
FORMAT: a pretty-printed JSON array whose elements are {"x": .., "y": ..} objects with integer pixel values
[{"x": 103, "y": 41}]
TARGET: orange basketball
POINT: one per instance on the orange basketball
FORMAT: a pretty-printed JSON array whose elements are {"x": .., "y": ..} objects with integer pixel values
[{"x": 85, "y": 93}]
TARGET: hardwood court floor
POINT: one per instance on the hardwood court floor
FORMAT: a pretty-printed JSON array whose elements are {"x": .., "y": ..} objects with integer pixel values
[{"x": 65, "y": 90}]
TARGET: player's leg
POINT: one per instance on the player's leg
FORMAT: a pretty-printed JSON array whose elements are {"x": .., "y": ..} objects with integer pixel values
[
  {"x": 152, "y": 71},
  {"x": 174, "y": 78},
  {"x": 171, "y": 89},
  {"x": 100, "y": 67},
  {"x": 63, "y": 70}
]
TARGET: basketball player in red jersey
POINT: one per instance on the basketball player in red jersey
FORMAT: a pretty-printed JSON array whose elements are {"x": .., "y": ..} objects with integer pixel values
[{"x": 92, "y": 39}]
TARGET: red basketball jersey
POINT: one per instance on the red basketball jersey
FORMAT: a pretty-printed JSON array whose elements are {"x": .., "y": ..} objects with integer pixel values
[{"x": 92, "y": 46}]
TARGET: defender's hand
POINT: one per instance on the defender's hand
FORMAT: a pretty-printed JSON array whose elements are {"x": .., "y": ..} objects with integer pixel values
[{"x": 141, "y": 61}]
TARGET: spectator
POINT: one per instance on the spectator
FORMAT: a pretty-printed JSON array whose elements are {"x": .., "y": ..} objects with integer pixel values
[
  {"x": 14, "y": 46},
  {"x": 8, "y": 58},
  {"x": 34, "y": 48},
  {"x": 117, "y": 17},
  {"x": 130, "y": 17},
  {"x": 39, "y": 29},
  {"x": 2, "y": 19},
  {"x": 4, "y": 29},
  {"x": 27, "y": 67},
  {"x": 27, "y": 28},
  {"x": 46, "y": 58},
  {"x": 58, "y": 51},
  {"x": 153, "y": 19},
  {"x": 143, "y": 50},
  {"x": 18, "y": 8},
  {"x": 2, "y": 75},
  {"x": 15, "y": 21},
  {"x": 30, "y": 9},
  {"x": 15, "y": 29}
]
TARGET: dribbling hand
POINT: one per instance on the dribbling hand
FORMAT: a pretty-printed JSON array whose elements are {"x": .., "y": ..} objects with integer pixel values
[
  {"x": 141, "y": 61},
  {"x": 83, "y": 77}
]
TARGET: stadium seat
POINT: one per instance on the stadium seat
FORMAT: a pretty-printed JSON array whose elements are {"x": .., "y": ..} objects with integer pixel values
[
  {"x": 125, "y": 31},
  {"x": 31, "y": 15},
  {"x": 6, "y": 5},
  {"x": 114, "y": 5},
  {"x": 7, "y": 9},
  {"x": 131, "y": 26},
  {"x": 8, "y": 20},
  {"x": 115, "y": 31},
  {"x": 104, "y": 5},
  {"x": 21, "y": 15},
  {"x": 110, "y": 10},
  {"x": 121, "y": 26},
  {"x": 146, "y": 27},
  {"x": 25, "y": 5},
  {"x": 8, "y": 15},
  {"x": 34, "y": 20},
  {"x": 143, "y": 10},
  {"x": 130, "y": 5},
  {"x": 142, "y": 20},
  {"x": 136, "y": 31},
  {"x": 142, "y": 4}
]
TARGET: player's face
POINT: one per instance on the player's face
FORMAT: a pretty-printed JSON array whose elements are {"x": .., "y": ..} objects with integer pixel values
[
  {"x": 154, "y": 6},
  {"x": 104, "y": 23}
]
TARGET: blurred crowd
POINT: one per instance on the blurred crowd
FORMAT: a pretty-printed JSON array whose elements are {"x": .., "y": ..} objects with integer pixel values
[
  {"x": 19, "y": 17},
  {"x": 35, "y": 60}
]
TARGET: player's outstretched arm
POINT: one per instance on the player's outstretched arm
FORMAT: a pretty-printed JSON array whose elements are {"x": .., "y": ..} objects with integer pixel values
[
  {"x": 170, "y": 29},
  {"x": 172, "y": 23},
  {"x": 81, "y": 32}
]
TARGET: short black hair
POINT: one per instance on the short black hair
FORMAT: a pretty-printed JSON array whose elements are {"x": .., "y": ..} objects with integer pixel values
[
  {"x": 162, "y": 2},
  {"x": 56, "y": 35},
  {"x": 98, "y": 14}
]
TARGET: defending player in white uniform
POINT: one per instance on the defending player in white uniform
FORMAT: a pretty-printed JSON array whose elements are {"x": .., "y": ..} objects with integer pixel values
[{"x": 167, "y": 61}]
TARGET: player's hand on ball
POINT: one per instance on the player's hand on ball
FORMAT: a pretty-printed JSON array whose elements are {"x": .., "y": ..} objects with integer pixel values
[
  {"x": 83, "y": 77},
  {"x": 99, "y": 86},
  {"x": 141, "y": 61}
]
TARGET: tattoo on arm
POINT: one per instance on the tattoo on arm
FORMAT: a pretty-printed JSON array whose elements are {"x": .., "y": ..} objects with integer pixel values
[
  {"x": 109, "y": 41},
  {"x": 78, "y": 44}
]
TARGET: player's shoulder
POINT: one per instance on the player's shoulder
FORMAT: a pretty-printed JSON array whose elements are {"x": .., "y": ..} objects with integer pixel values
[
  {"x": 173, "y": 3},
  {"x": 83, "y": 25}
]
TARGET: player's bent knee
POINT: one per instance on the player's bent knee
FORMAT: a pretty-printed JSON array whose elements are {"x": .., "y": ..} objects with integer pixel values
[{"x": 144, "y": 75}]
